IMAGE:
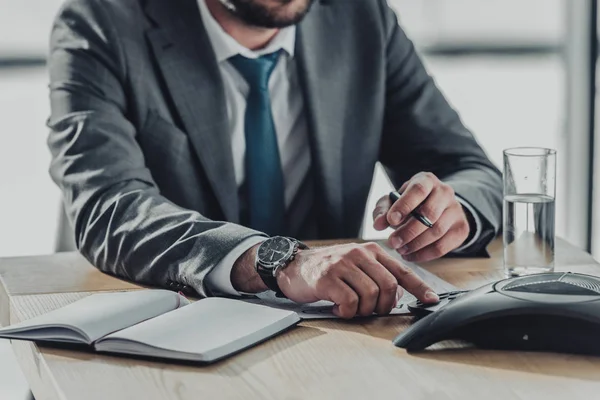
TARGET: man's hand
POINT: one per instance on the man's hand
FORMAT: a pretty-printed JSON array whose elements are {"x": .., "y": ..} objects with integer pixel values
[
  {"x": 433, "y": 199},
  {"x": 361, "y": 279}
]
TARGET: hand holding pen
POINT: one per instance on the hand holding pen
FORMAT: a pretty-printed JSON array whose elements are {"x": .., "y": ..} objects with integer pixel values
[{"x": 427, "y": 218}]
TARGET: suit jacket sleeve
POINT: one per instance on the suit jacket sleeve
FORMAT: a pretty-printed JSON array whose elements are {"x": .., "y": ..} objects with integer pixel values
[
  {"x": 122, "y": 224},
  {"x": 423, "y": 133}
]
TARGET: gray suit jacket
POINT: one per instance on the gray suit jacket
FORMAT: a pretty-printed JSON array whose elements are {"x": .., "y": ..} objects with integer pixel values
[{"x": 141, "y": 149}]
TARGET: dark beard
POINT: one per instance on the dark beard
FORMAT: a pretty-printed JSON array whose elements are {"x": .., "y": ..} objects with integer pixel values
[{"x": 252, "y": 13}]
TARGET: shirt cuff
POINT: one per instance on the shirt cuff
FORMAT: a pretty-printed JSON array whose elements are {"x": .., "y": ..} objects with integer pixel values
[
  {"x": 478, "y": 227},
  {"x": 218, "y": 280}
]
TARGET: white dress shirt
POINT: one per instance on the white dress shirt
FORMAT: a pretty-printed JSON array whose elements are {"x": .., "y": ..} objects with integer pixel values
[{"x": 287, "y": 107}]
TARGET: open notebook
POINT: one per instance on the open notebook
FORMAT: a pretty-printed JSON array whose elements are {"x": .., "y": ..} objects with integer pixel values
[{"x": 157, "y": 323}]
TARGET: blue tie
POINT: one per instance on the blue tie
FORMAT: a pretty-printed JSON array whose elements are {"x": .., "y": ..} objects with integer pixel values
[{"x": 264, "y": 177}]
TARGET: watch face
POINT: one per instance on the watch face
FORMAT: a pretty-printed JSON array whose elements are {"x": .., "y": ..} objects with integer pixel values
[{"x": 275, "y": 250}]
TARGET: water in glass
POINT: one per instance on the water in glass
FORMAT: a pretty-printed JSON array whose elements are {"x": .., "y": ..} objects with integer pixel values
[{"x": 528, "y": 233}]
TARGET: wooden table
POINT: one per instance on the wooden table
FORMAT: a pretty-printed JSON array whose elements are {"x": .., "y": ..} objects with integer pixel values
[{"x": 317, "y": 360}]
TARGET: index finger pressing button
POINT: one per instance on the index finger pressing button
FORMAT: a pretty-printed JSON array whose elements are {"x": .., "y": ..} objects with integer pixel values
[{"x": 408, "y": 279}]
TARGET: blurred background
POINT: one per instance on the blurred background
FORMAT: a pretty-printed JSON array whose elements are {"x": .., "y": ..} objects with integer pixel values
[{"x": 520, "y": 72}]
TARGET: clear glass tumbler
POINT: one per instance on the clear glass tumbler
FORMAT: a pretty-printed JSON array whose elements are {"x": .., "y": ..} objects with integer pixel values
[{"x": 529, "y": 212}]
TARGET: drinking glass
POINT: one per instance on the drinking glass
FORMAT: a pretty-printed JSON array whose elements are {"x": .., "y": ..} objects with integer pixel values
[{"x": 528, "y": 218}]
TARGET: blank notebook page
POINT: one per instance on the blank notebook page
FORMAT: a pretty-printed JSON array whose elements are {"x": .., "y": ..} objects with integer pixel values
[
  {"x": 211, "y": 327},
  {"x": 100, "y": 314}
]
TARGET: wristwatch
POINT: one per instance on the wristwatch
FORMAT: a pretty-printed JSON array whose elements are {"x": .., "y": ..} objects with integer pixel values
[{"x": 274, "y": 254}]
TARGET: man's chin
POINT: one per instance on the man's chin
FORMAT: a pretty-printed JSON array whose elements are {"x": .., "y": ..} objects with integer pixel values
[{"x": 269, "y": 13}]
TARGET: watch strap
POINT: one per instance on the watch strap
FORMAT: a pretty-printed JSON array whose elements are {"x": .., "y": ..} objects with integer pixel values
[{"x": 268, "y": 278}]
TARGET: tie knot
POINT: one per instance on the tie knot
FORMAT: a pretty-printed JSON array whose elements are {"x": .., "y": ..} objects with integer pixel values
[{"x": 256, "y": 71}]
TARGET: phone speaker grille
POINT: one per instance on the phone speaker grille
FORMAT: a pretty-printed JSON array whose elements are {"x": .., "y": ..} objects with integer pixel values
[{"x": 556, "y": 283}]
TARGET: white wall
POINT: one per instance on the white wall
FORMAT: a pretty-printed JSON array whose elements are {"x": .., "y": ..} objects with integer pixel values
[{"x": 482, "y": 21}]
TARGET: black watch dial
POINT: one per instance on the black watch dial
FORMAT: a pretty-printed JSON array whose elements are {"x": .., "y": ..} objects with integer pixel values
[{"x": 275, "y": 250}]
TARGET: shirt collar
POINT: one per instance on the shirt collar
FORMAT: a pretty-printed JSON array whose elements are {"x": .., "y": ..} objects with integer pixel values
[{"x": 226, "y": 47}]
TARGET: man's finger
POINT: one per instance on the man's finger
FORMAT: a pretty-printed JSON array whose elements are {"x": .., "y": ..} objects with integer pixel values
[
  {"x": 436, "y": 203},
  {"x": 408, "y": 279},
  {"x": 345, "y": 299},
  {"x": 432, "y": 208},
  {"x": 403, "y": 187},
  {"x": 437, "y": 249},
  {"x": 380, "y": 213},
  {"x": 405, "y": 233},
  {"x": 365, "y": 287},
  {"x": 429, "y": 236},
  {"x": 416, "y": 192},
  {"x": 385, "y": 281}
]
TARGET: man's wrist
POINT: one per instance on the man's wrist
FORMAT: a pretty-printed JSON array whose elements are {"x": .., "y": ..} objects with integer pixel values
[{"x": 244, "y": 277}]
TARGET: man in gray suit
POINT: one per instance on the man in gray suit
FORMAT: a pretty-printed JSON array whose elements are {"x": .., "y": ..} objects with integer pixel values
[{"x": 193, "y": 139}]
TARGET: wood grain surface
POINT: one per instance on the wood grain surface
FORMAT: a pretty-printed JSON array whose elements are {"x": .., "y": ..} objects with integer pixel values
[
  {"x": 57, "y": 273},
  {"x": 317, "y": 360}
]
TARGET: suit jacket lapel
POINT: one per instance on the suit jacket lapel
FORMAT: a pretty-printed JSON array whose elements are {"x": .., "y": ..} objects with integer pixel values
[
  {"x": 188, "y": 64},
  {"x": 321, "y": 93}
]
